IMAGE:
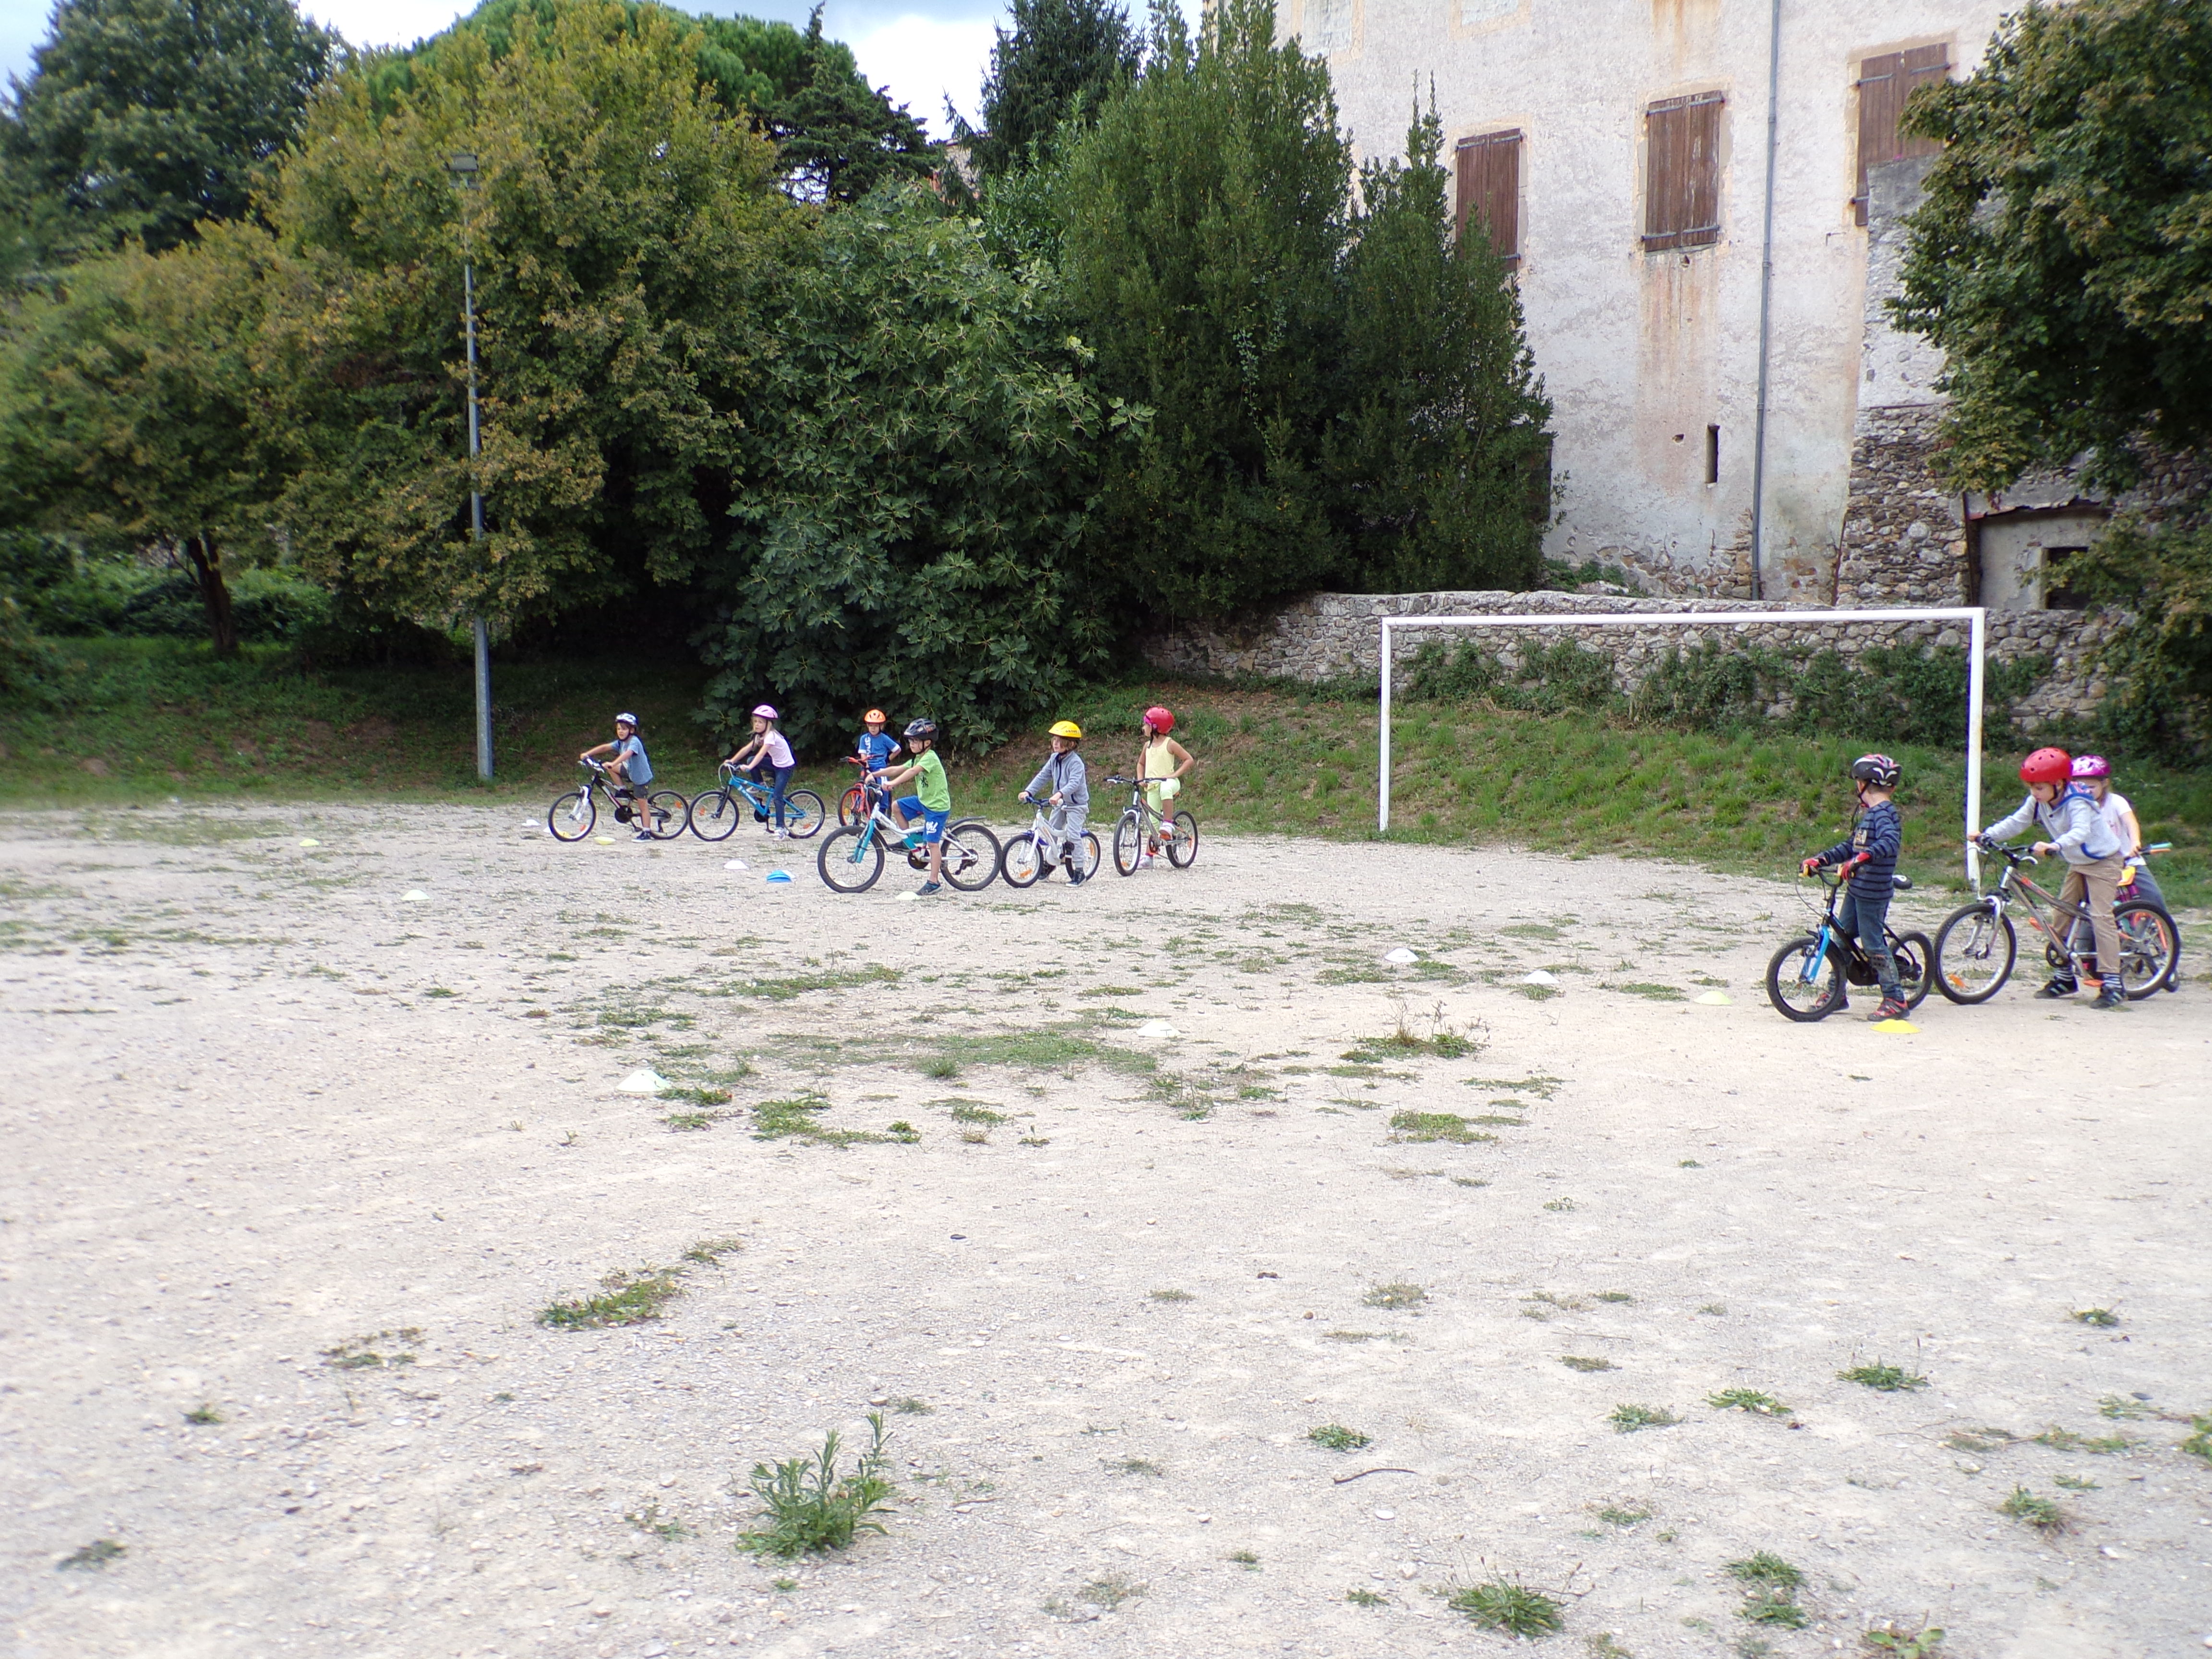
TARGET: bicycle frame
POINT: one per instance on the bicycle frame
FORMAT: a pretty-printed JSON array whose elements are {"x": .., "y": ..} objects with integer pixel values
[{"x": 1998, "y": 899}]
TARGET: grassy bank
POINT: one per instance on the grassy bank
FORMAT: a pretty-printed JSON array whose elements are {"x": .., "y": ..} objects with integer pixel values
[{"x": 153, "y": 718}]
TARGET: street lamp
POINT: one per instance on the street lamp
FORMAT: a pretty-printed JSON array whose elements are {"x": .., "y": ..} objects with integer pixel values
[{"x": 464, "y": 166}]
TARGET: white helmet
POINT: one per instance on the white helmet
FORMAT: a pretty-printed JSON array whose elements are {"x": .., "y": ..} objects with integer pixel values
[
  {"x": 625, "y": 720},
  {"x": 766, "y": 712}
]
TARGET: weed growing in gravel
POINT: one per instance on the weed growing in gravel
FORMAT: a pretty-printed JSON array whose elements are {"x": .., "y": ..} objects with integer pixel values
[
  {"x": 1891, "y": 1638},
  {"x": 1503, "y": 1605},
  {"x": 810, "y": 1504},
  {"x": 625, "y": 1298},
  {"x": 2041, "y": 1513},
  {"x": 967, "y": 1112},
  {"x": 709, "y": 1252},
  {"x": 1602, "y": 1646},
  {"x": 1364, "y": 1336},
  {"x": 1245, "y": 1559},
  {"x": 359, "y": 1353},
  {"x": 650, "y": 1520},
  {"x": 1716, "y": 1309},
  {"x": 1110, "y": 1592},
  {"x": 941, "y": 1065},
  {"x": 1135, "y": 1466},
  {"x": 1773, "y": 1584},
  {"x": 2073, "y": 1483},
  {"x": 204, "y": 1416},
  {"x": 2120, "y": 1410},
  {"x": 1396, "y": 1295},
  {"x": 1747, "y": 1399},
  {"x": 1627, "y": 1419},
  {"x": 1337, "y": 1437},
  {"x": 1576, "y": 1362},
  {"x": 696, "y": 1097},
  {"x": 1559, "y": 1204},
  {"x": 2199, "y": 1444},
  {"x": 910, "y": 1406},
  {"x": 686, "y": 1122},
  {"x": 1615, "y": 1296},
  {"x": 794, "y": 1119},
  {"x": 1171, "y": 1296},
  {"x": 1614, "y": 1514},
  {"x": 1366, "y": 1598},
  {"x": 2102, "y": 1318},
  {"x": 1883, "y": 1378},
  {"x": 91, "y": 1558},
  {"x": 1435, "y": 1126},
  {"x": 900, "y": 1130}
]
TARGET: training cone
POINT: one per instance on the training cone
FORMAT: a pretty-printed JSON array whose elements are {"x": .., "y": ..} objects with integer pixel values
[
  {"x": 737, "y": 864},
  {"x": 309, "y": 840},
  {"x": 1540, "y": 977},
  {"x": 1401, "y": 956},
  {"x": 641, "y": 1082},
  {"x": 1896, "y": 1027},
  {"x": 1157, "y": 1028},
  {"x": 781, "y": 877},
  {"x": 1715, "y": 998},
  {"x": 414, "y": 895},
  {"x": 604, "y": 841},
  {"x": 907, "y": 898}
]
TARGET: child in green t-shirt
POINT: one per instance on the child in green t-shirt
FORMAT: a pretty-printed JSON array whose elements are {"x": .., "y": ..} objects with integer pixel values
[{"x": 931, "y": 802}]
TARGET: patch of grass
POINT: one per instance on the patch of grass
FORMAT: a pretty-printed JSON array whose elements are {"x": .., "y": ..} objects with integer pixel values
[
  {"x": 1366, "y": 1598},
  {"x": 2199, "y": 1444},
  {"x": 792, "y": 1118},
  {"x": 440, "y": 991},
  {"x": 1435, "y": 1126},
  {"x": 1627, "y": 1419},
  {"x": 1337, "y": 1439},
  {"x": 1650, "y": 993},
  {"x": 1561, "y": 1204},
  {"x": 1689, "y": 1163},
  {"x": 1894, "y": 1639},
  {"x": 1767, "y": 1569},
  {"x": 1773, "y": 1583},
  {"x": 683, "y": 1122},
  {"x": 797, "y": 985},
  {"x": 1139, "y": 1466},
  {"x": 2121, "y": 1410},
  {"x": 941, "y": 1065},
  {"x": 1502, "y": 1605},
  {"x": 966, "y": 1113},
  {"x": 1615, "y": 1296},
  {"x": 900, "y": 1129},
  {"x": 1245, "y": 1559},
  {"x": 361, "y": 1353},
  {"x": 1716, "y": 1309},
  {"x": 2103, "y": 1318},
  {"x": 1747, "y": 1399},
  {"x": 2043, "y": 1513},
  {"x": 93, "y": 1556},
  {"x": 1110, "y": 1591},
  {"x": 697, "y": 1096},
  {"x": 1576, "y": 1362},
  {"x": 1171, "y": 1296},
  {"x": 1615, "y": 1515},
  {"x": 909, "y": 1407},
  {"x": 1883, "y": 1378},
  {"x": 709, "y": 1252},
  {"x": 808, "y": 1504},
  {"x": 1774, "y": 1608},
  {"x": 204, "y": 1416},
  {"x": 2074, "y": 1483},
  {"x": 650, "y": 1520},
  {"x": 1397, "y": 1296},
  {"x": 625, "y": 1298}
]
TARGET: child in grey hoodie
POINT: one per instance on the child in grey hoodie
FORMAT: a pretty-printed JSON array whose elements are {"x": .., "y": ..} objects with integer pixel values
[
  {"x": 2068, "y": 814},
  {"x": 1063, "y": 783}
]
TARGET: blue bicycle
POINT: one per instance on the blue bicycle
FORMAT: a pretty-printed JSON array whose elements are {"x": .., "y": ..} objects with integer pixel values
[
  {"x": 1808, "y": 977},
  {"x": 715, "y": 814},
  {"x": 851, "y": 858}
]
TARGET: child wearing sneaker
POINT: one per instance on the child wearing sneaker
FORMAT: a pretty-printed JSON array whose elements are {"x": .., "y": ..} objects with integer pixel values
[
  {"x": 930, "y": 804},
  {"x": 1064, "y": 783},
  {"x": 1869, "y": 856},
  {"x": 628, "y": 771},
  {"x": 2095, "y": 860},
  {"x": 767, "y": 758}
]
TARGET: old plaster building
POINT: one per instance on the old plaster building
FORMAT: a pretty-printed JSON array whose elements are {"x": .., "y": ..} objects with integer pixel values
[{"x": 1617, "y": 152}]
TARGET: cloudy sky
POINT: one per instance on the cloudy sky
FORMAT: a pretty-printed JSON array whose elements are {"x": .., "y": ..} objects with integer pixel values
[{"x": 922, "y": 50}]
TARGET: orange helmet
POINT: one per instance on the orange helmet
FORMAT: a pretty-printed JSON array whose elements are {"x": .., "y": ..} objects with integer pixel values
[{"x": 874, "y": 717}]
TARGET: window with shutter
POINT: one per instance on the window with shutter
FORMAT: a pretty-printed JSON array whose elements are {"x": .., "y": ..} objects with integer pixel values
[
  {"x": 1885, "y": 82},
  {"x": 1682, "y": 172},
  {"x": 1489, "y": 177}
]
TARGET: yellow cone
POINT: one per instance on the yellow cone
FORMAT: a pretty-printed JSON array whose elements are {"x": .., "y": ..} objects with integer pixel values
[{"x": 1904, "y": 1026}]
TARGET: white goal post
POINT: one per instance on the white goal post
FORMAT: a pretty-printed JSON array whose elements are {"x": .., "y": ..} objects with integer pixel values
[{"x": 1975, "y": 616}]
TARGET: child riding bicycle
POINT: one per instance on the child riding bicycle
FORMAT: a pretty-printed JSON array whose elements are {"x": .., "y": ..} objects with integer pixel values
[
  {"x": 1064, "y": 782},
  {"x": 628, "y": 770},
  {"x": 2093, "y": 862},
  {"x": 931, "y": 802},
  {"x": 2095, "y": 773},
  {"x": 1161, "y": 764},
  {"x": 767, "y": 758},
  {"x": 1868, "y": 856}
]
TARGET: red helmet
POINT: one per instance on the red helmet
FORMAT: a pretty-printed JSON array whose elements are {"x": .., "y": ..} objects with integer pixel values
[
  {"x": 1159, "y": 719},
  {"x": 2046, "y": 766},
  {"x": 2092, "y": 766}
]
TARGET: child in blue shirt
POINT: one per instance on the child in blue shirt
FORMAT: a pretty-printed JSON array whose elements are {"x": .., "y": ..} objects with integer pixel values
[
  {"x": 1869, "y": 856},
  {"x": 627, "y": 769},
  {"x": 875, "y": 746}
]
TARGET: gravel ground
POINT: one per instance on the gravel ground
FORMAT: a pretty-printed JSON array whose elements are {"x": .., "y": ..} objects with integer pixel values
[{"x": 313, "y": 1111}]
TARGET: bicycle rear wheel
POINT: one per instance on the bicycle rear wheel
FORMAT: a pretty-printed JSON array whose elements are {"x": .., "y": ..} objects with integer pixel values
[
  {"x": 1803, "y": 981},
  {"x": 667, "y": 814},
  {"x": 1021, "y": 860},
  {"x": 1090, "y": 855},
  {"x": 1182, "y": 839},
  {"x": 850, "y": 861},
  {"x": 1128, "y": 842},
  {"x": 571, "y": 817},
  {"x": 714, "y": 815},
  {"x": 971, "y": 856},
  {"x": 1974, "y": 953},
  {"x": 1913, "y": 954},
  {"x": 853, "y": 806},
  {"x": 2148, "y": 945},
  {"x": 803, "y": 814}
]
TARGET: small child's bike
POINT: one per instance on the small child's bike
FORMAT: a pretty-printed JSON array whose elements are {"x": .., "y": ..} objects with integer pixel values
[
  {"x": 1037, "y": 849},
  {"x": 1809, "y": 977},
  {"x": 572, "y": 816},
  {"x": 853, "y": 857},
  {"x": 1976, "y": 944},
  {"x": 1143, "y": 831},
  {"x": 716, "y": 813}
]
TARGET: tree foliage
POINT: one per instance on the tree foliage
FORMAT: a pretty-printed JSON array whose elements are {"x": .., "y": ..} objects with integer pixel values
[
  {"x": 143, "y": 118},
  {"x": 1062, "y": 59}
]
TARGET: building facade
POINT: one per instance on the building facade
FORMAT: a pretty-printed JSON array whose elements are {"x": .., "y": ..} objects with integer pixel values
[{"x": 1615, "y": 151}]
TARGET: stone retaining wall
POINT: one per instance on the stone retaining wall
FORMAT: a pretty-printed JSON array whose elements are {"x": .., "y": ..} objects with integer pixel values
[{"x": 1334, "y": 636}]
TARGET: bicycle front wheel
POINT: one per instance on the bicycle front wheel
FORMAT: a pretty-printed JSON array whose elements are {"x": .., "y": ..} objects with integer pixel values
[
  {"x": 666, "y": 813},
  {"x": 803, "y": 814},
  {"x": 2149, "y": 945},
  {"x": 1021, "y": 861},
  {"x": 571, "y": 818},
  {"x": 1974, "y": 952},
  {"x": 1182, "y": 839},
  {"x": 1803, "y": 981},
  {"x": 1128, "y": 842},
  {"x": 714, "y": 815},
  {"x": 971, "y": 856},
  {"x": 850, "y": 861},
  {"x": 1913, "y": 954}
]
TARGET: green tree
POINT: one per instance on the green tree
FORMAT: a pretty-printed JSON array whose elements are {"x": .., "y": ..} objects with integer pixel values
[
  {"x": 1062, "y": 59},
  {"x": 1204, "y": 222},
  {"x": 917, "y": 477},
  {"x": 1441, "y": 457},
  {"x": 838, "y": 136},
  {"x": 143, "y": 118}
]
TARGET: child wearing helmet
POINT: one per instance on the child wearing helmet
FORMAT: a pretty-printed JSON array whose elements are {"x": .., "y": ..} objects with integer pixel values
[
  {"x": 1162, "y": 765},
  {"x": 1063, "y": 783},
  {"x": 2095, "y": 773},
  {"x": 931, "y": 802},
  {"x": 875, "y": 746},
  {"x": 767, "y": 758},
  {"x": 1868, "y": 856},
  {"x": 627, "y": 769},
  {"x": 2094, "y": 861}
]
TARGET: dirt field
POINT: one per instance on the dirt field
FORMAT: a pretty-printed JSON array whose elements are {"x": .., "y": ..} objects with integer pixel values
[{"x": 303, "y": 1138}]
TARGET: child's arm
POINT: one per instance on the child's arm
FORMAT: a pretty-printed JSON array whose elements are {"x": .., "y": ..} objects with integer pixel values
[
  {"x": 2131, "y": 831},
  {"x": 1043, "y": 777},
  {"x": 1821, "y": 861},
  {"x": 594, "y": 753},
  {"x": 2014, "y": 824},
  {"x": 1887, "y": 840}
]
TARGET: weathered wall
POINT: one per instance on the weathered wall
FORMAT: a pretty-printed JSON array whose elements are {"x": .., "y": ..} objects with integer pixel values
[{"x": 1329, "y": 636}]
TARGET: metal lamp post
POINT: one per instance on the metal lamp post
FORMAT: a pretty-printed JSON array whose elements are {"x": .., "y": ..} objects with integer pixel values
[{"x": 464, "y": 166}]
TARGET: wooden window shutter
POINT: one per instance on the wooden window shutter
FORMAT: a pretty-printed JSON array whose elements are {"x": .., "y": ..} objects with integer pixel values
[
  {"x": 1885, "y": 82},
  {"x": 1488, "y": 171},
  {"x": 1682, "y": 172}
]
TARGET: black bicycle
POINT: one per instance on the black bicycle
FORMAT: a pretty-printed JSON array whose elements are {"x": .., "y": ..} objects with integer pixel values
[{"x": 1810, "y": 976}]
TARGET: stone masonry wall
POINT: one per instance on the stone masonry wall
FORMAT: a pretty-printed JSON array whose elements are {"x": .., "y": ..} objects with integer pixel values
[
  {"x": 1904, "y": 540},
  {"x": 1333, "y": 636}
]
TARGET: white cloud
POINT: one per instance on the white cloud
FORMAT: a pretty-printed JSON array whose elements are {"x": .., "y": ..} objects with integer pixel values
[
  {"x": 384, "y": 22},
  {"x": 922, "y": 60}
]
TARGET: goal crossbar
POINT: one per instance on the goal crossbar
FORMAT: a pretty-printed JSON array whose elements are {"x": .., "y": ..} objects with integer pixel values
[{"x": 1976, "y": 616}]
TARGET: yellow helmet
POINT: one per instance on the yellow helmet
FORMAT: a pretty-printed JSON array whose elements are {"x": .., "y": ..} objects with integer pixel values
[{"x": 1067, "y": 729}]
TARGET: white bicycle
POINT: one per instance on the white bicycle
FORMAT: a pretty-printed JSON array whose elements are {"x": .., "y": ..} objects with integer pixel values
[{"x": 1033, "y": 854}]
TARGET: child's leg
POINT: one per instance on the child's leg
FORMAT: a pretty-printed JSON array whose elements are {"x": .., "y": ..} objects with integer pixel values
[
  {"x": 775, "y": 795},
  {"x": 2099, "y": 881},
  {"x": 1870, "y": 915}
]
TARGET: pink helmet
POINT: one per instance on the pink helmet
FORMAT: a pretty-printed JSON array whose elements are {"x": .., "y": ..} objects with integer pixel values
[
  {"x": 766, "y": 712},
  {"x": 2046, "y": 766},
  {"x": 2092, "y": 766},
  {"x": 1159, "y": 719}
]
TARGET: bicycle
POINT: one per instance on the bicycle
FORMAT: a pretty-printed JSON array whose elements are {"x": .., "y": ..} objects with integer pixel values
[
  {"x": 715, "y": 815},
  {"x": 1142, "y": 826},
  {"x": 571, "y": 816},
  {"x": 852, "y": 857},
  {"x": 1976, "y": 945},
  {"x": 1033, "y": 853},
  {"x": 1808, "y": 978},
  {"x": 853, "y": 804}
]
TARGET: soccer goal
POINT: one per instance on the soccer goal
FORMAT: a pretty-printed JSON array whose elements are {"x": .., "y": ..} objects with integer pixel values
[{"x": 1974, "y": 615}]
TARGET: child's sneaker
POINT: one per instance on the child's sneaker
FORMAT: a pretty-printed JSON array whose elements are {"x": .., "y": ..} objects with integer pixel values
[
  {"x": 2109, "y": 995},
  {"x": 927, "y": 889},
  {"x": 2060, "y": 986},
  {"x": 642, "y": 835},
  {"x": 1075, "y": 877},
  {"x": 1892, "y": 1008}
]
